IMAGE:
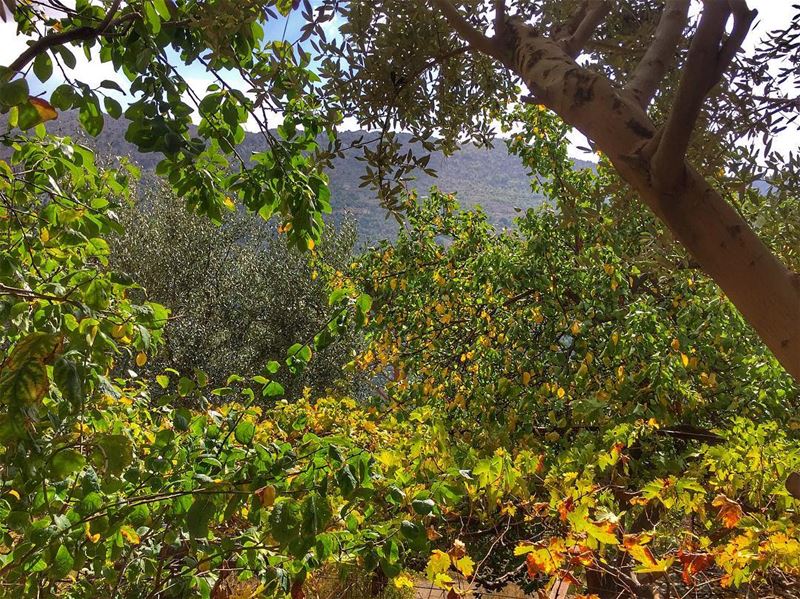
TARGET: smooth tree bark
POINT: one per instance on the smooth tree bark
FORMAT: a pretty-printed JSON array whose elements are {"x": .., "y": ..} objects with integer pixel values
[{"x": 650, "y": 158}]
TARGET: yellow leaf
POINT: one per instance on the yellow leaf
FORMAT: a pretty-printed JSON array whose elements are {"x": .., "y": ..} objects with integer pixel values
[
  {"x": 13, "y": 493},
  {"x": 310, "y": 244},
  {"x": 526, "y": 378},
  {"x": 91, "y": 537},
  {"x": 575, "y": 328},
  {"x": 561, "y": 393},
  {"x": 266, "y": 495},
  {"x": 228, "y": 203},
  {"x": 524, "y": 549},
  {"x": 44, "y": 235},
  {"x": 44, "y": 108},
  {"x": 684, "y": 360},
  {"x": 465, "y": 565},
  {"x": 403, "y": 582},
  {"x": 141, "y": 359},
  {"x": 130, "y": 535},
  {"x": 676, "y": 345},
  {"x": 438, "y": 563}
]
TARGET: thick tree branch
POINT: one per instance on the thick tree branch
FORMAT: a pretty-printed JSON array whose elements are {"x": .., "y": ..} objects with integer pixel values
[
  {"x": 494, "y": 47},
  {"x": 596, "y": 12},
  {"x": 65, "y": 37},
  {"x": 661, "y": 54}
]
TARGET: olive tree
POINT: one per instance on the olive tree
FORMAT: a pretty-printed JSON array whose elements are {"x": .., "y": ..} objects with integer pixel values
[{"x": 239, "y": 295}]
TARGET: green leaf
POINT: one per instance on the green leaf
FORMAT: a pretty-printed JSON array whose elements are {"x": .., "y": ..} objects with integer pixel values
[
  {"x": 162, "y": 9},
  {"x": 162, "y": 380},
  {"x": 117, "y": 453},
  {"x": 346, "y": 480},
  {"x": 90, "y": 116},
  {"x": 43, "y": 67},
  {"x": 67, "y": 56},
  {"x": 244, "y": 432},
  {"x": 423, "y": 506},
  {"x": 284, "y": 6},
  {"x": 152, "y": 18},
  {"x": 199, "y": 516},
  {"x": 62, "y": 564},
  {"x": 13, "y": 93},
  {"x": 112, "y": 107},
  {"x": 273, "y": 366},
  {"x": 108, "y": 84},
  {"x": 66, "y": 462},
  {"x": 285, "y": 521},
  {"x": 273, "y": 389},
  {"x": 66, "y": 377},
  {"x": 63, "y": 97}
]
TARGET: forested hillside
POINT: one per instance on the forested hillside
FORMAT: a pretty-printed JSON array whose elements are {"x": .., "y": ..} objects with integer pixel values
[{"x": 489, "y": 177}]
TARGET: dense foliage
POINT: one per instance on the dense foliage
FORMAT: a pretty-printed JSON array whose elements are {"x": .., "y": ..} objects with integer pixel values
[
  {"x": 571, "y": 403},
  {"x": 239, "y": 296}
]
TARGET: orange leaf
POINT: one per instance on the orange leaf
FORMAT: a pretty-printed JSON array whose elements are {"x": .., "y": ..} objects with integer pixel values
[
  {"x": 693, "y": 563},
  {"x": 565, "y": 507},
  {"x": 44, "y": 108},
  {"x": 729, "y": 511}
]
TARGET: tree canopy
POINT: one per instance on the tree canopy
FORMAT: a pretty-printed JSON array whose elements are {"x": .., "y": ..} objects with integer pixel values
[{"x": 602, "y": 400}]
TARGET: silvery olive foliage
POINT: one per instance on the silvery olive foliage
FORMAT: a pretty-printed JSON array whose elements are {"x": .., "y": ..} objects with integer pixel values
[{"x": 240, "y": 295}]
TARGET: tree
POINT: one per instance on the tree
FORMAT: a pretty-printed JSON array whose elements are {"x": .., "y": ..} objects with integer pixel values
[
  {"x": 398, "y": 64},
  {"x": 601, "y": 393},
  {"x": 461, "y": 62},
  {"x": 239, "y": 295}
]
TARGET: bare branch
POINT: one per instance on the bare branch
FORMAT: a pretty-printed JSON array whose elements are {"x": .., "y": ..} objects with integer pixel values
[
  {"x": 596, "y": 12},
  {"x": 64, "y": 37},
  {"x": 499, "y": 18},
  {"x": 568, "y": 29},
  {"x": 476, "y": 40},
  {"x": 743, "y": 19},
  {"x": 707, "y": 60},
  {"x": 661, "y": 53}
]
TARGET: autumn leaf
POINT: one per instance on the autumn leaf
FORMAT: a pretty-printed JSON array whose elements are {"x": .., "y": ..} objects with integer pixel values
[
  {"x": 129, "y": 534},
  {"x": 458, "y": 550},
  {"x": 565, "y": 507},
  {"x": 693, "y": 563},
  {"x": 729, "y": 511},
  {"x": 438, "y": 563},
  {"x": 465, "y": 565},
  {"x": 403, "y": 582},
  {"x": 44, "y": 108},
  {"x": 266, "y": 495}
]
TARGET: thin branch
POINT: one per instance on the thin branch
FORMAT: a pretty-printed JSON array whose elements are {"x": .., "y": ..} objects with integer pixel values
[
  {"x": 661, "y": 53},
  {"x": 568, "y": 29},
  {"x": 743, "y": 19},
  {"x": 65, "y": 37},
  {"x": 596, "y": 12}
]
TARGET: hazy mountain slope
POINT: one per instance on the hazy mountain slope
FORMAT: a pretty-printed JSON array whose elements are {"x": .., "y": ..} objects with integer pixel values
[{"x": 489, "y": 177}]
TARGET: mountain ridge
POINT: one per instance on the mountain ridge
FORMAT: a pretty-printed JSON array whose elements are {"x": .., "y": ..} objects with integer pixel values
[{"x": 488, "y": 177}]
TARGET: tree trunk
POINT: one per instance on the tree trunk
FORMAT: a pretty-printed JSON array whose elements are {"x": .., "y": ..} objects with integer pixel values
[{"x": 763, "y": 289}]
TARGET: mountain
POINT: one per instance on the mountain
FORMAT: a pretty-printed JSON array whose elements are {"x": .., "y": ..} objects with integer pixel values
[{"x": 488, "y": 177}]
